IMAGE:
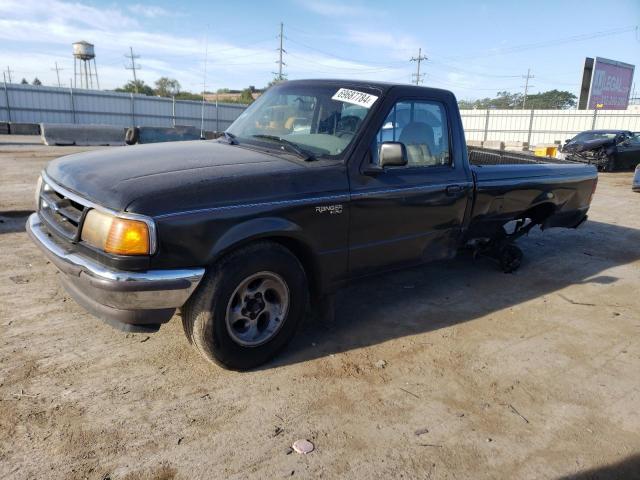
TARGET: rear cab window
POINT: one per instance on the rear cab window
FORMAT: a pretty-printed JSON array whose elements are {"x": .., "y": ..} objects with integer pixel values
[{"x": 422, "y": 126}]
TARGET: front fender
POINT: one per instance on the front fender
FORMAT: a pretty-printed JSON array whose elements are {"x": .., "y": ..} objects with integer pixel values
[{"x": 255, "y": 229}]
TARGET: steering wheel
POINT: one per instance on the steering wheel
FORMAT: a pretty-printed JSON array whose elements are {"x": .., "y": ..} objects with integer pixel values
[{"x": 347, "y": 125}]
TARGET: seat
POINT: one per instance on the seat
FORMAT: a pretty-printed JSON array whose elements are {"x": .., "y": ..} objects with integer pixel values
[{"x": 419, "y": 140}]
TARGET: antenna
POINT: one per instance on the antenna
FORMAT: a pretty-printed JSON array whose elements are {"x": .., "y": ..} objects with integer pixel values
[
  {"x": 204, "y": 81},
  {"x": 280, "y": 76},
  {"x": 58, "y": 70},
  {"x": 526, "y": 86},
  {"x": 133, "y": 67},
  {"x": 418, "y": 76}
]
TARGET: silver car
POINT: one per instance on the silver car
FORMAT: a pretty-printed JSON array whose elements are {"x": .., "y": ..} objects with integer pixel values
[{"x": 636, "y": 179}]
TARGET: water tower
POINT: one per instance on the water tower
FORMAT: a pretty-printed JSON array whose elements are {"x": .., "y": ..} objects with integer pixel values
[{"x": 83, "y": 54}]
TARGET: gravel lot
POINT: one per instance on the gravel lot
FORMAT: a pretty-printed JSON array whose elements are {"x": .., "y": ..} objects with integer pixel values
[{"x": 453, "y": 370}]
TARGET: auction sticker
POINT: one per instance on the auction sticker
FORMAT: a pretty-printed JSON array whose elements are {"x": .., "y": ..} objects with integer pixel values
[{"x": 355, "y": 97}]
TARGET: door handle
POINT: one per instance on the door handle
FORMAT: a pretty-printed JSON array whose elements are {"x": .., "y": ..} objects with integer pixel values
[{"x": 453, "y": 189}]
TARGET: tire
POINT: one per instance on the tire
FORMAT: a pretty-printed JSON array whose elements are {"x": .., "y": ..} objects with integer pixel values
[
  {"x": 610, "y": 164},
  {"x": 510, "y": 258},
  {"x": 132, "y": 136},
  {"x": 264, "y": 269}
]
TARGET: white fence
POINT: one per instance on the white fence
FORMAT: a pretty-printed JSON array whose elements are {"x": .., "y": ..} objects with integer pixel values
[
  {"x": 38, "y": 104},
  {"x": 543, "y": 126}
]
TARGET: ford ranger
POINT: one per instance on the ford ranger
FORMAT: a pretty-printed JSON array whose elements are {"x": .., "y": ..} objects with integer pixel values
[{"x": 317, "y": 183}]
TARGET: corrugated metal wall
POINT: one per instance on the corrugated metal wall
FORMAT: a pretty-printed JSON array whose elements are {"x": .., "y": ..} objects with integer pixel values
[
  {"x": 33, "y": 104},
  {"x": 543, "y": 126}
]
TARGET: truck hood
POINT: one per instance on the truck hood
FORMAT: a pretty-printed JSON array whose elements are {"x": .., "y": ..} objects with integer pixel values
[{"x": 150, "y": 178}]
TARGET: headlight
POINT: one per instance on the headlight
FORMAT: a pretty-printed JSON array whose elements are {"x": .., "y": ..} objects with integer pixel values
[
  {"x": 38, "y": 189},
  {"x": 122, "y": 236}
]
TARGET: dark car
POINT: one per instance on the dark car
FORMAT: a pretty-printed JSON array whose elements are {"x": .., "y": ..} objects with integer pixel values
[
  {"x": 317, "y": 183},
  {"x": 608, "y": 150}
]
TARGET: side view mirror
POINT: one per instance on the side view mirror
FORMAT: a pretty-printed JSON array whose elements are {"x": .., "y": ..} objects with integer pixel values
[
  {"x": 392, "y": 154},
  {"x": 568, "y": 140}
]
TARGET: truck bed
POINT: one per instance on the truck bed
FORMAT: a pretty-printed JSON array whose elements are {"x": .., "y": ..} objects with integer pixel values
[
  {"x": 485, "y": 156},
  {"x": 510, "y": 183}
]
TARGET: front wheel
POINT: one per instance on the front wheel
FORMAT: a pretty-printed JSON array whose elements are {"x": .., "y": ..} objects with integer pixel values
[{"x": 247, "y": 307}]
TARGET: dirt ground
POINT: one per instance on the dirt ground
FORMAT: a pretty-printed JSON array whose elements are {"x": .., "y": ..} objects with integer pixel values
[{"x": 453, "y": 370}]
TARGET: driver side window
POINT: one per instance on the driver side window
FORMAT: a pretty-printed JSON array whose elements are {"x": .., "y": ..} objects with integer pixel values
[{"x": 422, "y": 127}]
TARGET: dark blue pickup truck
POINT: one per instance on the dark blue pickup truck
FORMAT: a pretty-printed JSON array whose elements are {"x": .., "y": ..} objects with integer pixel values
[{"x": 318, "y": 183}]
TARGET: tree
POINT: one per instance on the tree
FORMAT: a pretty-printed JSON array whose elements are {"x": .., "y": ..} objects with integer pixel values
[
  {"x": 36, "y": 82},
  {"x": 275, "y": 81},
  {"x": 167, "y": 87},
  {"x": 188, "y": 96},
  {"x": 24, "y": 81},
  {"x": 553, "y": 99},
  {"x": 137, "y": 87},
  {"x": 245, "y": 96}
]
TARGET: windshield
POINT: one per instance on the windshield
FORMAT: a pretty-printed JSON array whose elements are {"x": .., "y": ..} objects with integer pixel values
[
  {"x": 318, "y": 120},
  {"x": 586, "y": 136}
]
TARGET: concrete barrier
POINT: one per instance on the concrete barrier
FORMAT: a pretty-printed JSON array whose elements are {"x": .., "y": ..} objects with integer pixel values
[
  {"x": 163, "y": 134},
  {"x": 70, "y": 134},
  {"x": 516, "y": 146},
  {"x": 493, "y": 144},
  {"x": 24, "y": 128},
  {"x": 474, "y": 143},
  {"x": 208, "y": 135},
  {"x": 4, "y": 128}
]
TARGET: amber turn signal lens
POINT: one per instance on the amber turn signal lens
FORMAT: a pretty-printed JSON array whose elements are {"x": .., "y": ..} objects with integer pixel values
[
  {"x": 127, "y": 237},
  {"x": 121, "y": 236}
]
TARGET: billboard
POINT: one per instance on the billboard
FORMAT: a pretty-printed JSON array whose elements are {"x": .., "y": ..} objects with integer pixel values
[{"x": 609, "y": 84}]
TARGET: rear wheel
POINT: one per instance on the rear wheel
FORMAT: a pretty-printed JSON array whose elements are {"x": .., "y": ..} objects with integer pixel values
[{"x": 247, "y": 307}]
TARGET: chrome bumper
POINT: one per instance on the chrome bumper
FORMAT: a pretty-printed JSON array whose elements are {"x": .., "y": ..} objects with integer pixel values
[{"x": 145, "y": 298}]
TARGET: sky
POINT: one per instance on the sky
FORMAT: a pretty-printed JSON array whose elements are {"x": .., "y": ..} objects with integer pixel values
[{"x": 474, "y": 48}]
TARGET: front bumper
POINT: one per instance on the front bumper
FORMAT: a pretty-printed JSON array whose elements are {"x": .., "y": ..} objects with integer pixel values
[{"x": 130, "y": 301}]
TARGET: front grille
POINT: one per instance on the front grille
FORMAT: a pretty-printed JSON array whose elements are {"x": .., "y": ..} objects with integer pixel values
[{"x": 60, "y": 212}]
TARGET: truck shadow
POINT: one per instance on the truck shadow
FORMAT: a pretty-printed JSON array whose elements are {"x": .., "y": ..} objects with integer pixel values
[
  {"x": 628, "y": 468},
  {"x": 13, "y": 221},
  {"x": 441, "y": 294}
]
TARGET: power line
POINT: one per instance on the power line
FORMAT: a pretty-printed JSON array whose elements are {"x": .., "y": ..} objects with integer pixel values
[
  {"x": 133, "y": 67},
  {"x": 365, "y": 69},
  {"x": 418, "y": 59},
  {"x": 57, "y": 70},
  {"x": 527, "y": 77},
  {"x": 340, "y": 57},
  {"x": 550, "y": 43}
]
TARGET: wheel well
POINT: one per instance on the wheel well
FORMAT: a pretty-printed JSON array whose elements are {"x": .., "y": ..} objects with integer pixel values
[
  {"x": 301, "y": 251},
  {"x": 540, "y": 213},
  {"x": 307, "y": 259}
]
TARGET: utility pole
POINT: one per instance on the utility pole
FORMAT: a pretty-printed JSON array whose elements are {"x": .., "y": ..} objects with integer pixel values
[
  {"x": 527, "y": 77},
  {"x": 9, "y": 74},
  {"x": 133, "y": 67},
  {"x": 418, "y": 76},
  {"x": 280, "y": 76},
  {"x": 57, "y": 69}
]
